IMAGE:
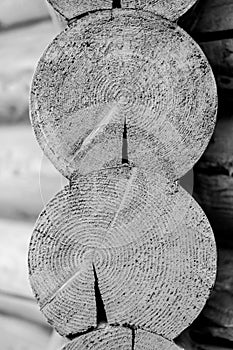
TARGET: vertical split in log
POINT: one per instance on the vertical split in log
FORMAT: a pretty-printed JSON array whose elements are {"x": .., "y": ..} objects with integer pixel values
[
  {"x": 80, "y": 130},
  {"x": 100, "y": 310},
  {"x": 116, "y": 4},
  {"x": 125, "y": 145},
  {"x": 133, "y": 338}
]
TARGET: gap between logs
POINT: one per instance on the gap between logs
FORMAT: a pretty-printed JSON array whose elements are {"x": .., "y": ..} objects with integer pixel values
[
  {"x": 100, "y": 310},
  {"x": 213, "y": 36},
  {"x": 73, "y": 336},
  {"x": 116, "y": 4},
  {"x": 133, "y": 338},
  {"x": 125, "y": 145}
]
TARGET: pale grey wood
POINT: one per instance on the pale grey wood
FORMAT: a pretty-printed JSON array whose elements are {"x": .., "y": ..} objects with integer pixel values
[
  {"x": 118, "y": 66},
  {"x": 151, "y": 341},
  {"x": 113, "y": 338},
  {"x": 116, "y": 338},
  {"x": 150, "y": 243},
  {"x": 171, "y": 9}
]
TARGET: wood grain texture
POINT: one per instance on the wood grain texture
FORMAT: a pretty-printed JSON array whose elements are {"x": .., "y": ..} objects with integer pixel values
[
  {"x": 113, "y": 338},
  {"x": 171, "y": 9},
  {"x": 214, "y": 175},
  {"x": 219, "y": 308},
  {"x": 151, "y": 341},
  {"x": 216, "y": 16},
  {"x": 116, "y": 338},
  {"x": 121, "y": 66},
  {"x": 150, "y": 244},
  {"x": 214, "y": 328}
]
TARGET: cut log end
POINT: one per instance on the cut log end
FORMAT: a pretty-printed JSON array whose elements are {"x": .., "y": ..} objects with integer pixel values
[
  {"x": 114, "y": 247},
  {"x": 120, "y": 74}
]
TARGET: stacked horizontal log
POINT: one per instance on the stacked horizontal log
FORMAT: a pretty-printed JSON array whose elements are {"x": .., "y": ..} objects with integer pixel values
[
  {"x": 213, "y": 174},
  {"x": 123, "y": 102}
]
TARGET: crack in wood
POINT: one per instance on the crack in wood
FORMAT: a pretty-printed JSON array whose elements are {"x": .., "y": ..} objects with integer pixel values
[
  {"x": 72, "y": 336},
  {"x": 60, "y": 289},
  {"x": 133, "y": 338},
  {"x": 125, "y": 159},
  {"x": 100, "y": 309},
  {"x": 116, "y": 4},
  {"x": 84, "y": 14},
  {"x": 126, "y": 193}
]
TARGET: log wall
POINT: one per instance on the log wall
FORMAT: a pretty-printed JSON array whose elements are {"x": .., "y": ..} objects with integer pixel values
[{"x": 211, "y": 23}]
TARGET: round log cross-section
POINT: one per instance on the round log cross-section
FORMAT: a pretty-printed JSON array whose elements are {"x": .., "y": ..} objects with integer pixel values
[
  {"x": 123, "y": 72},
  {"x": 145, "y": 247}
]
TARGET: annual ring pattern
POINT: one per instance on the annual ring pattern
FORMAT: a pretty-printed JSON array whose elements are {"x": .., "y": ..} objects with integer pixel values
[
  {"x": 123, "y": 102},
  {"x": 150, "y": 250},
  {"x": 118, "y": 68}
]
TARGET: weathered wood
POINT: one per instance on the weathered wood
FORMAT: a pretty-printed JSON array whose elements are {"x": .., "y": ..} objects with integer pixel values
[
  {"x": 219, "y": 307},
  {"x": 116, "y": 67},
  {"x": 115, "y": 338},
  {"x": 171, "y": 9},
  {"x": 106, "y": 338},
  {"x": 214, "y": 175},
  {"x": 149, "y": 244},
  {"x": 214, "y": 328},
  {"x": 150, "y": 341},
  {"x": 214, "y": 32},
  {"x": 216, "y": 15}
]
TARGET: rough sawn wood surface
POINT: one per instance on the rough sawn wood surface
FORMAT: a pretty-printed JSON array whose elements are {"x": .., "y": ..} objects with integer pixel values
[
  {"x": 116, "y": 338},
  {"x": 171, "y": 9},
  {"x": 149, "y": 243},
  {"x": 123, "y": 67}
]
